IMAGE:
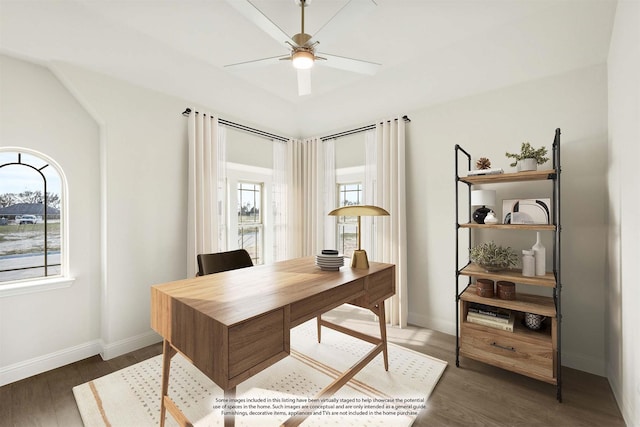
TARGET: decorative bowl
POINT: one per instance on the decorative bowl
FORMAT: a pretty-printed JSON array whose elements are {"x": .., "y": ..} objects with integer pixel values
[{"x": 492, "y": 268}]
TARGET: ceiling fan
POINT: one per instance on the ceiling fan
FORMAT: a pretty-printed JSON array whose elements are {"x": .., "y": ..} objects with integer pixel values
[{"x": 303, "y": 54}]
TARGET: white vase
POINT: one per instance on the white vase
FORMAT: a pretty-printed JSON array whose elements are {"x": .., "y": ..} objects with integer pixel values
[
  {"x": 527, "y": 165},
  {"x": 491, "y": 218},
  {"x": 539, "y": 253}
]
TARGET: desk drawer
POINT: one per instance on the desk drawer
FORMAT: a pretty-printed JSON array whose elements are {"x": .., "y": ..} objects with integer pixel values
[
  {"x": 257, "y": 340},
  {"x": 511, "y": 351},
  {"x": 379, "y": 286},
  {"x": 315, "y": 305}
]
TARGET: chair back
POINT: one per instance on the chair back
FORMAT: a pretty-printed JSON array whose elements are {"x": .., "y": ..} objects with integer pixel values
[{"x": 223, "y": 261}]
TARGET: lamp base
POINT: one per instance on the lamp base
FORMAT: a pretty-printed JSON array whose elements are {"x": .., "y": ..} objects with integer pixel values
[{"x": 359, "y": 259}]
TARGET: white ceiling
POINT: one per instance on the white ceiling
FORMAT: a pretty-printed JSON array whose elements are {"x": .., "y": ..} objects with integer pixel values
[{"x": 431, "y": 51}]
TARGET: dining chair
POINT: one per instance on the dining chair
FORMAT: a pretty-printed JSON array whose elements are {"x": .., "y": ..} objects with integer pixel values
[{"x": 223, "y": 261}]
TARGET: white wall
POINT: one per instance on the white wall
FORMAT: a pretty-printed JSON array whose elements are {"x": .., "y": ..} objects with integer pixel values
[
  {"x": 623, "y": 338},
  {"x": 36, "y": 112},
  {"x": 144, "y": 177},
  {"x": 488, "y": 125}
]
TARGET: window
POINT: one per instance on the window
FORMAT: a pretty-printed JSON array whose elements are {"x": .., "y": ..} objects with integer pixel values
[
  {"x": 348, "y": 194},
  {"x": 31, "y": 216},
  {"x": 250, "y": 226}
]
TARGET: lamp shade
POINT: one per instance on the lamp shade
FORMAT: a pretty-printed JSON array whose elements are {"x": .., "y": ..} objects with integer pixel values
[
  {"x": 302, "y": 60},
  {"x": 483, "y": 197},
  {"x": 359, "y": 210}
]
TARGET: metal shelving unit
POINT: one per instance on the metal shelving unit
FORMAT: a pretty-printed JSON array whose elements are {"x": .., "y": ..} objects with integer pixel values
[{"x": 532, "y": 353}]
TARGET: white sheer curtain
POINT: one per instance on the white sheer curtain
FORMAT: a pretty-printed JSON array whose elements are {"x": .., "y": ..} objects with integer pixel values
[
  {"x": 280, "y": 201},
  {"x": 330, "y": 197},
  {"x": 385, "y": 238},
  {"x": 207, "y": 174},
  {"x": 304, "y": 193},
  {"x": 308, "y": 197}
]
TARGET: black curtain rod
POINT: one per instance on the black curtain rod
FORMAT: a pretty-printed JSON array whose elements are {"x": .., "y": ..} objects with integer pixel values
[
  {"x": 282, "y": 138},
  {"x": 243, "y": 127},
  {"x": 358, "y": 130}
]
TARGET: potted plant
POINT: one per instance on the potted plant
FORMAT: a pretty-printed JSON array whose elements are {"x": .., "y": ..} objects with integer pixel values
[
  {"x": 529, "y": 158},
  {"x": 493, "y": 257}
]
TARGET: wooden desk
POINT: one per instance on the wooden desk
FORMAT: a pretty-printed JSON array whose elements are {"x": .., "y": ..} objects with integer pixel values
[{"x": 234, "y": 324}]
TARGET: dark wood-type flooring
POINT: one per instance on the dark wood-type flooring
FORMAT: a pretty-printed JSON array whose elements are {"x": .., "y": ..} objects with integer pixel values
[{"x": 474, "y": 394}]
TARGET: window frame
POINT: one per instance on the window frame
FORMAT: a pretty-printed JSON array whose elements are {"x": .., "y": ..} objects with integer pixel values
[
  {"x": 348, "y": 176},
  {"x": 259, "y": 253},
  {"x": 236, "y": 173},
  {"x": 63, "y": 279}
]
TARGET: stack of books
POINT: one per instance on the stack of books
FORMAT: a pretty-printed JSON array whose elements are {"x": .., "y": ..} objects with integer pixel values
[
  {"x": 492, "y": 317},
  {"x": 494, "y": 171}
]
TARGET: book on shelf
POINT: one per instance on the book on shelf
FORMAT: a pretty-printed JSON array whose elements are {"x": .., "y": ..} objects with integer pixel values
[
  {"x": 487, "y": 317},
  {"x": 489, "y": 310},
  {"x": 492, "y": 171},
  {"x": 492, "y": 323}
]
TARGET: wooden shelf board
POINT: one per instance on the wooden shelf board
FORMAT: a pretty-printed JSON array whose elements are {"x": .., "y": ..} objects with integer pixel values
[
  {"x": 538, "y": 175},
  {"x": 511, "y": 275},
  {"x": 524, "y": 302},
  {"x": 536, "y": 227}
]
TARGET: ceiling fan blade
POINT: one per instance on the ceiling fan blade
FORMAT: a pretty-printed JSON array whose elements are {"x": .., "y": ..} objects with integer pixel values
[
  {"x": 304, "y": 82},
  {"x": 350, "y": 64},
  {"x": 257, "y": 62},
  {"x": 253, "y": 14},
  {"x": 343, "y": 20}
]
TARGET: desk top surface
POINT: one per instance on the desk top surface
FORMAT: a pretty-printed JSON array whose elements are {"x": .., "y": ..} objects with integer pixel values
[{"x": 236, "y": 295}]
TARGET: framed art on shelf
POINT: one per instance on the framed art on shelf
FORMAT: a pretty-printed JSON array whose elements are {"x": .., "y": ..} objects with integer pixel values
[{"x": 526, "y": 211}]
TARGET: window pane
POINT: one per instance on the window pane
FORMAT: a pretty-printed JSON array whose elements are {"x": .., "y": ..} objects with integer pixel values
[
  {"x": 250, "y": 238},
  {"x": 249, "y": 203},
  {"x": 250, "y": 232},
  {"x": 27, "y": 230},
  {"x": 349, "y": 194},
  {"x": 347, "y": 239}
]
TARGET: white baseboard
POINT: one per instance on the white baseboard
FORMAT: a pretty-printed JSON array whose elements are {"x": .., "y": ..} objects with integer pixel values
[
  {"x": 626, "y": 407},
  {"x": 439, "y": 325},
  {"x": 37, "y": 365},
  {"x": 582, "y": 363},
  {"x": 118, "y": 348},
  {"x": 47, "y": 362}
]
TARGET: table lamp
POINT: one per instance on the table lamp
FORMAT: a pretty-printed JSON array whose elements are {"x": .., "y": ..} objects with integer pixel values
[
  {"x": 359, "y": 258},
  {"x": 482, "y": 198}
]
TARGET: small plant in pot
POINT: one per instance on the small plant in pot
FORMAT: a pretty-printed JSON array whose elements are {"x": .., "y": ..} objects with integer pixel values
[
  {"x": 492, "y": 257},
  {"x": 529, "y": 158}
]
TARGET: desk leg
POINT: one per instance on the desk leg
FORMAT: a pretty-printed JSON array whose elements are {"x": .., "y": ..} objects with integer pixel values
[
  {"x": 383, "y": 333},
  {"x": 230, "y": 395},
  {"x": 167, "y": 353}
]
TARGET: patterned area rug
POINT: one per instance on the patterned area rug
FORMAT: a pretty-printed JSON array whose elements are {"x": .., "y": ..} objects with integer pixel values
[{"x": 374, "y": 397}]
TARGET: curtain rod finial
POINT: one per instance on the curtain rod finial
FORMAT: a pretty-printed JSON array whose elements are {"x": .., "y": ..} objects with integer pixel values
[{"x": 186, "y": 112}]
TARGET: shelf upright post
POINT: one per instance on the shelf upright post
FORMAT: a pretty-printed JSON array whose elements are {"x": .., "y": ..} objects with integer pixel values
[
  {"x": 557, "y": 261},
  {"x": 457, "y": 225}
]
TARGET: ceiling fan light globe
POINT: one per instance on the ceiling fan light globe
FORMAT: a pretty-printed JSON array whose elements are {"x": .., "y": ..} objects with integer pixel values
[{"x": 302, "y": 60}]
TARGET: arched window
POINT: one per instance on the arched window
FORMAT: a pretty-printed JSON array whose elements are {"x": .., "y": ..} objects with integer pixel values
[{"x": 32, "y": 193}]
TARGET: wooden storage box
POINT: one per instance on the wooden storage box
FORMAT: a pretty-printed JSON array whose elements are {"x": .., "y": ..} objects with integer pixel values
[
  {"x": 484, "y": 288},
  {"x": 506, "y": 290}
]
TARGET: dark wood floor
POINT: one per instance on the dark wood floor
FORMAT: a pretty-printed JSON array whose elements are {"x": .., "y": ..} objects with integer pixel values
[{"x": 474, "y": 394}]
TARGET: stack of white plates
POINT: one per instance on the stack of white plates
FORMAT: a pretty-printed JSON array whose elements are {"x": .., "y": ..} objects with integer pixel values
[{"x": 330, "y": 261}]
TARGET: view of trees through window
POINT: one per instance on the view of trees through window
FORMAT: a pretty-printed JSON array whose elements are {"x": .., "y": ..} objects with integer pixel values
[
  {"x": 348, "y": 194},
  {"x": 30, "y": 241},
  {"x": 250, "y": 227}
]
